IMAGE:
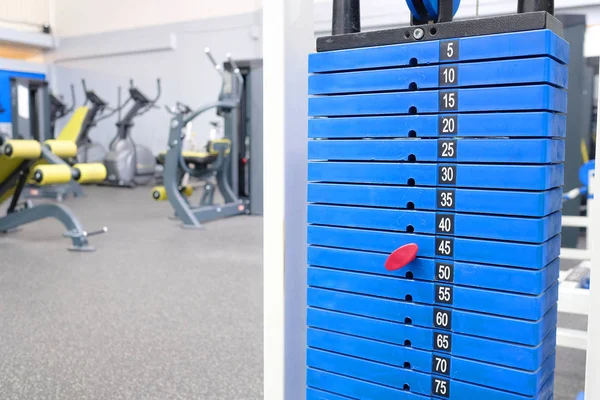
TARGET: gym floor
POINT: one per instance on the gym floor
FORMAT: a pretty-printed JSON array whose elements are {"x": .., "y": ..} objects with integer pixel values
[{"x": 156, "y": 312}]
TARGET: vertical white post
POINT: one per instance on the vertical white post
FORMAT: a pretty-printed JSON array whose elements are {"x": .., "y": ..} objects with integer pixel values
[
  {"x": 288, "y": 37},
  {"x": 592, "y": 383}
]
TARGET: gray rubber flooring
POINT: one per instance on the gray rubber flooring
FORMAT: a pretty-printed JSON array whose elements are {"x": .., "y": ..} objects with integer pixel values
[{"x": 156, "y": 312}]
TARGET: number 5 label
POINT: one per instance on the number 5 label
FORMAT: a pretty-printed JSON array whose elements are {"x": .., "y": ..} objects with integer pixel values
[{"x": 449, "y": 50}]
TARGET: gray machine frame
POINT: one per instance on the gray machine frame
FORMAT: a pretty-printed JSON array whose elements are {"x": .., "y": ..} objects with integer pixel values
[
  {"x": 246, "y": 131},
  {"x": 174, "y": 165},
  {"x": 39, "y": 126}
]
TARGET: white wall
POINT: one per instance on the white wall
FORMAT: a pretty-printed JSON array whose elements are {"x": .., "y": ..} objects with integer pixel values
[
  {"x": 76, "y": 17},
  {"x": 25, "y": 14},
  {"x": 172, "y": 52}
]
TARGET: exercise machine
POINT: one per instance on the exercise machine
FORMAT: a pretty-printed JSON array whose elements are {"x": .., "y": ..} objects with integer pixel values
[
  {"x": 246, "y": 172},
  {"x": 129, "y": 164},
  {"x": 214, "y": 162},
  {"x": 87, "y": 150},
  {"x": 32, "y": 118},
  {"x": 433, "y": 264},
  {"x": 58, "y": 109},
  {"x": 19, "y": 164}
]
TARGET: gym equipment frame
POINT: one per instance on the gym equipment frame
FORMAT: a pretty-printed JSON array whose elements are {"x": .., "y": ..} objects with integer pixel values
[
  {"x": 17, "y": 171},
  {"x": 175, "y": 163},
  {"x": 285, "y": 275}
]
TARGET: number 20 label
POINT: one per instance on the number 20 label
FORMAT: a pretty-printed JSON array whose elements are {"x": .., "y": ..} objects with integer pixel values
[{"x": 448, "y": 125}]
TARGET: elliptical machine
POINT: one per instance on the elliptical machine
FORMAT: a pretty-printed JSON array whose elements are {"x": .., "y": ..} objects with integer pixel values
[
  {"x": 129, "y": 164},
  {"x": 214, "y": 162},
  {"x": 59, "y": 109},
  {"x": 88, "y": 151}
]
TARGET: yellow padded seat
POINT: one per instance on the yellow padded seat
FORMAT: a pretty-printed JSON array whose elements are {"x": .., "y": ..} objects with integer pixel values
[
  {"x": 72, "y": 130},
  {"x": 192, "y": 157}
]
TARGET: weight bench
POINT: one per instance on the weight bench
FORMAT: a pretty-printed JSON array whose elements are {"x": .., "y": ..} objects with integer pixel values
[{"x": 21, "y": 162}]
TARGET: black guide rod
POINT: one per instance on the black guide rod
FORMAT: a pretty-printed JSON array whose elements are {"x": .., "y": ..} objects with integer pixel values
[
  {"x": 536, "y": 5},
  {"x": 445, "y": 10},
  {"x": 346, "y": 17}
]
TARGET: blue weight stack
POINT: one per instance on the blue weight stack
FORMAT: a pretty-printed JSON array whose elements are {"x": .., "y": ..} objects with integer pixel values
[{"x": 457, "y": 146}]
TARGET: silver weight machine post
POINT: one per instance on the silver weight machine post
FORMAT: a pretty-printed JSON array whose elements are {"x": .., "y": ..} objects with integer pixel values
[{"x": 592, "y": 383}]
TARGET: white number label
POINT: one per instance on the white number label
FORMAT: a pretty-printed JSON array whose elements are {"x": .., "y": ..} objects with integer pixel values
[
  {"x": 444, "y": 247},
  {"x": 445, "y": 272},
  {"x": 442, "y": 341},
  {"x": 449, "y": 100},
  {"x": 447, "y": 175},
  {"x": 447, "y": 125},
  {"x": 441, "y": 365},
  {"x": 448, "y": 76},
  {"x": 440, "y": 387},
  {"x": 449, "y": 50},
  {"x": 445, "y": 199},
  {"x": 445, "y": 223}
]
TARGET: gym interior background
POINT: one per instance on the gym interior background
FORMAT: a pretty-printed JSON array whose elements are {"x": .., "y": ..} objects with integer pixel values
[{"x": 158, "y": 311}]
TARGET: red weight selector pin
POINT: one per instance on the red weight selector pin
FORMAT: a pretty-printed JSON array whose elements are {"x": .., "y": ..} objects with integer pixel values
[{"x": 401, "y": 257}]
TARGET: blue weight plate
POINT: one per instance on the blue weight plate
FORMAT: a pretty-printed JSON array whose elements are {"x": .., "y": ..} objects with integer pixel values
[
  {"x": 507, "y": 98},
  {"x": 476, "y": 48},
  {"x": 514, "y": 280},
  {"x": 494, "y": 125},
  {"x": 477, "y": 226},
  {"x": 328, "y": 383},
  {"x": 419, "y": 382},
  {"x": 510, "y": 151},
  {"x": 512, "y": 355},
  {"x": 493, "y": 176},
  {"x": 472, "y": 323},
  {"x": 391, "y": 292},
  {"x": 491, "y": 73},
  {"x": 314, "y": 394},
  {"x": 530, "y": 256},
  {"x": 524, "y": 382},
  {"x": 499, "y": 202},
  {"x": 356, "y": 389}
]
